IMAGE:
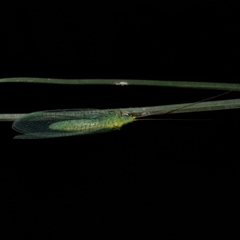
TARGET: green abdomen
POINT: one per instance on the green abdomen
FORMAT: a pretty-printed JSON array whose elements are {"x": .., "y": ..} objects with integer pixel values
[{"x": 114, "y": 122}]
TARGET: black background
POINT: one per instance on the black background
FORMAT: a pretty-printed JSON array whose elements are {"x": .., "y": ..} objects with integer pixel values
[{"x": 182, "y": 177}]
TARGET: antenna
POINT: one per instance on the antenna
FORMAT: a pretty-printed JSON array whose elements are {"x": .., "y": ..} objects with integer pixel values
[{"x": 188, "y": 105}]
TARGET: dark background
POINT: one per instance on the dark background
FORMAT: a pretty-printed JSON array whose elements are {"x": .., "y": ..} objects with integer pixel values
[{"x": 184, "y": 174}]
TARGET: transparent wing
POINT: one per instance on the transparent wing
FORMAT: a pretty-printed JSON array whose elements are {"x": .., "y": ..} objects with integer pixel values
[
  {"x": 36, "y": 125},
  {"x": 53, "y": 134},
  {"x": 70, "y": 114}
]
